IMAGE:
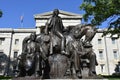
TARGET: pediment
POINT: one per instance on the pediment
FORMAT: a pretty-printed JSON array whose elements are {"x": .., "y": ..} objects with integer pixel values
[{"x": 62, "y": 14}]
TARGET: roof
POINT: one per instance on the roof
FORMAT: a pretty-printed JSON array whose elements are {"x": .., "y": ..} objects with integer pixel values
[{"x": 63, "y": 14}]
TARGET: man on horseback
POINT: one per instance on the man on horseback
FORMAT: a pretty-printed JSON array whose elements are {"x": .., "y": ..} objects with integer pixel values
[{"x": 55, "y": 26}]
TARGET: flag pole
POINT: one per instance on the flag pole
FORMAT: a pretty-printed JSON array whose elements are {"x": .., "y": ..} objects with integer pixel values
[
  {"x": 21, "y": 24},
  {"x": 21, "y": 20}
]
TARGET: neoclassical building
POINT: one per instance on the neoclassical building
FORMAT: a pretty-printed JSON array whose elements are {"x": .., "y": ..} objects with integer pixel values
[{"x": 107, "y": 49}]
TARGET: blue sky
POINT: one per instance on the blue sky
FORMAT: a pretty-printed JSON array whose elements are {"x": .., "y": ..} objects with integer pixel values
[{"x": 13, "y": 9}]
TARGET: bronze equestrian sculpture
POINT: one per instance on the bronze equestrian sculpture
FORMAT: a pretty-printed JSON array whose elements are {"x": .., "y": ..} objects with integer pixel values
[{"x": 55, "y": 53}]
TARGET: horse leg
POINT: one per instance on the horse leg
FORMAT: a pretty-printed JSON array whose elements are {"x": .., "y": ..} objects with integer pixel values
[
  {"x": 22, "y": 71},
  {"x": 77, "y": 65},
  {"x": 63, "y": 45},
  {"x": 46, "y": 70},
  {"x": 37, "y": 66}
]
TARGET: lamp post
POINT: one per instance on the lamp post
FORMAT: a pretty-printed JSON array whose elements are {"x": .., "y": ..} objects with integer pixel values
[{"x": 9, "y": 61}]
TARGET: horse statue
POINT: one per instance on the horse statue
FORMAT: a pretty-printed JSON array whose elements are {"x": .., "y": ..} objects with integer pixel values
[
  {"x": 82, "y": 57},
  {"x": 88, "y": 31}
]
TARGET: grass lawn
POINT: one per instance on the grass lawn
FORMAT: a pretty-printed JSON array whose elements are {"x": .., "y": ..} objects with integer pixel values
[
  {"x": 3, "y": 77},
  {"x": 104, "y": 76},
  {"x": 112, "y": 77}
]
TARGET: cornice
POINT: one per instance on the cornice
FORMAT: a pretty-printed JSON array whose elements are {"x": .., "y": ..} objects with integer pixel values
[
  {"x": 68, "y": 15},
  {"x": 10, "y": 30}
]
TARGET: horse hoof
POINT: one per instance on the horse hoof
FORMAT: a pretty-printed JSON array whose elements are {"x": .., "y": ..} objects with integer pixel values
[
  {"x": 79, "y": 75},
  {"x": 62, "y": 52}
]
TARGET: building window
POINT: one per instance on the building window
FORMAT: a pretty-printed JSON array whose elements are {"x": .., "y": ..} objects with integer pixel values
[
  {"x": 15, "y": 54},
  {"x": 101, "y": 54},
  {"x": 115, "y": 54},
  {"x": 1, "y": 40},
  {"x": 113, "y": 40},
  {"x": 16, "y": 41},
  {"x": 102, "y": 67},
  {"x": 1, "y": 52},
  {"x": 1, "y": 57},
  {"x": 99, "y": 41}
]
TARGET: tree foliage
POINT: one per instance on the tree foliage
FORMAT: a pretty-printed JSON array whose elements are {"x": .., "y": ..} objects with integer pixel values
[
  {"x": 99, "y": 11},
  {"x": 1, "y": 13}
]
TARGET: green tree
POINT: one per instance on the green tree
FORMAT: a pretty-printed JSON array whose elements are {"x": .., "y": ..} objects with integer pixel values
[
  {"x": 98, "y": 11},
  {"x": 1, "y": 13}
]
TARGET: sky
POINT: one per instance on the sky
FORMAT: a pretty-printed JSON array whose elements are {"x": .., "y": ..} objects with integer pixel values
[{"x": 14, "y": 9}]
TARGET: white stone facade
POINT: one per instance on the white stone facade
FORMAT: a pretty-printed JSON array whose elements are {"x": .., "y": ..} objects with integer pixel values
[
  {"x": 12, "y": 40},
  {"x": 107, "y": 49}
]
